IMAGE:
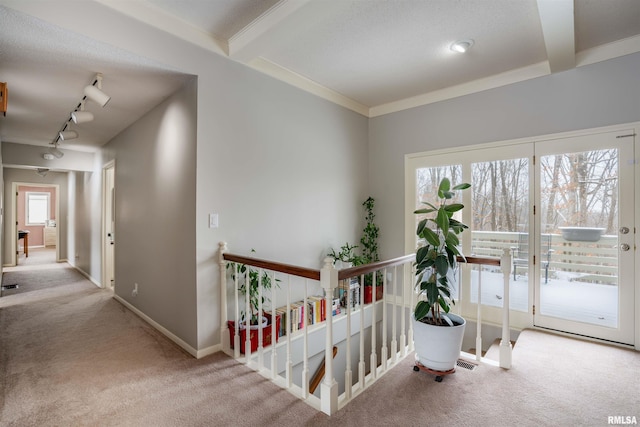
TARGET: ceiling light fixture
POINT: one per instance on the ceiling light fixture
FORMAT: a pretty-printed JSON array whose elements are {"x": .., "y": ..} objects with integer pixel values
[
  {"x": 67, "y": 135},
  {"x": 81, "y": 116},
  {"x": 48, "y": 156},
  {"x": 58, "y": 154},
  {"x": 95, "y": 93},
  {"x": 42, "y": 171},
  {"x": 461, "y": 46}
]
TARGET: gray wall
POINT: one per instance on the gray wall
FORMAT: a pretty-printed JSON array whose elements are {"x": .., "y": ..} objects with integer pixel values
[
  {"x": 155, "y": 182},
  {"x": 600, "y": 94},
  {"x": 285, "y": 170}
]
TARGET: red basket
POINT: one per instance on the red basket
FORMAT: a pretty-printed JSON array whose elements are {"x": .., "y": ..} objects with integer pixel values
[{"x": 253, "y": 336}]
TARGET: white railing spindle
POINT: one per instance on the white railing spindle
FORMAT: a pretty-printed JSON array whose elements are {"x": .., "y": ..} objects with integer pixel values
[
  {"x": 479, "y": 317},
  {"x": 394, "y": 294},
  {"x": 305, "y": 346},
  {"x": 274, "y": 331},
  {"x": 361, "y": 365},
  {"x": 373, "y": 363},
  {"x": 505, "y": 343},
  {"x": 384, "y": 350},
  {"x": 348, "y": 375}
]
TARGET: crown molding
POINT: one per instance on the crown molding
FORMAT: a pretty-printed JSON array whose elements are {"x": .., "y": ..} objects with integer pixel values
[
  {"x": 283, "y": 74},
  {"x": 509, "y": 77}
]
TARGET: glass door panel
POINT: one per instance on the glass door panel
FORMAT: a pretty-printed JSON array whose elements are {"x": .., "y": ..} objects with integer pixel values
[
  {"x": 590, "y": 268},
  {"x": 500, "y": 205}
]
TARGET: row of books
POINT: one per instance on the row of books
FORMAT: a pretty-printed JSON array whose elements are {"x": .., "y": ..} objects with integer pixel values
[{"x": 297, "y": 316}]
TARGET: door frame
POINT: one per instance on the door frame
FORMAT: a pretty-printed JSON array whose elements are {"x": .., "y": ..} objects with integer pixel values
[
  {"x": 409, "y": 220},
  {"x": 15, "y": 185},
  {"x": 107, "y": 190}
]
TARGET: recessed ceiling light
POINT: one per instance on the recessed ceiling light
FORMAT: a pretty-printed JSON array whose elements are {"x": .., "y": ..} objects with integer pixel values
[{"x": 461, "y": 46}]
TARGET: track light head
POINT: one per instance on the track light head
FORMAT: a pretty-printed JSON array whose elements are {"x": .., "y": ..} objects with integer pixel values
[
  {"x": 95, "y": 93},
  {"x": 81, "y": 116},
  {"x": 68, "y": 134},
  {"x": 58, "y": 154},
  {"x": 42, "y": 171}
]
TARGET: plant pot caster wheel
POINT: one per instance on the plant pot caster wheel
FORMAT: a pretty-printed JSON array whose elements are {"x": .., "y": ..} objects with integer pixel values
[{"x": 439, "y": 374}]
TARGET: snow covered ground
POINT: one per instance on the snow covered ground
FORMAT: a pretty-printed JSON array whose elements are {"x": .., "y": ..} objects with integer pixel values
[{"x": 561, "y": 297}]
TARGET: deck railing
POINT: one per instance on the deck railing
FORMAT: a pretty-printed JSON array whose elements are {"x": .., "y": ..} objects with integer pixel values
[
  {"x": 594, "y": 262},
  {"x": 370, "y": 325}
]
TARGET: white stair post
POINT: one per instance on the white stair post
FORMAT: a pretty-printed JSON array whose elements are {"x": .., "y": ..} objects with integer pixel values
[
  {"x": 224, "y": 335},
  {"x": 329, "y": 387},
  {"x": 505, "y": 343}
]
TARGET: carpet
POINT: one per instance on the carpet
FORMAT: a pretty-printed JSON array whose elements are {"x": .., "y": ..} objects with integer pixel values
[{"x": 73, "y": 356}]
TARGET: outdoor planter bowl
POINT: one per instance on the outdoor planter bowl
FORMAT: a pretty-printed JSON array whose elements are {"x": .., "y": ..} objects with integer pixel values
[{"x": 581, "y": 234}]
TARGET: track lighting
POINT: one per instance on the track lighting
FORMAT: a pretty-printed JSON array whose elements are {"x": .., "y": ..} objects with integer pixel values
[
  {"x": 67, "y": 135},
  {"x": 95, "y": 93},
  {"x": 58, "y": 154}
]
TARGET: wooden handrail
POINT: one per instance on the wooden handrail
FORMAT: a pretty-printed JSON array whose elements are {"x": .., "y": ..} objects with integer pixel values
[
  {"x": 310, "y": 273},
  {"x": 294, "y": 270},
  {"x": 374, "y": 266},
  {"x": 317, "y": 377},
  {"x": 484, "y": 260}
]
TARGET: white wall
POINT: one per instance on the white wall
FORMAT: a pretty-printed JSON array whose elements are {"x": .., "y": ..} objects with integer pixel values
[{"x": 601, "y": 94}]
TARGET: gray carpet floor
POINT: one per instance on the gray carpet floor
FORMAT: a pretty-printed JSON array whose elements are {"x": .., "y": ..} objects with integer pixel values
[{"x": 73, "y": 356}]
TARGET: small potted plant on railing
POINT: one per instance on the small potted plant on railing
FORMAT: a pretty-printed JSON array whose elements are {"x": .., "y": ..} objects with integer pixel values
[
  {"x": 249, "y": 282},
  {"x": 437, "y": 332}
]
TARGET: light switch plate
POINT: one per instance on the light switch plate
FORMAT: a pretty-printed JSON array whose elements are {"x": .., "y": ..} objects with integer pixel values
[{"x": 213, "y": 220}]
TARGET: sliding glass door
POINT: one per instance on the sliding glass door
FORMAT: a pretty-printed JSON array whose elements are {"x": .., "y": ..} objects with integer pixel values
[
  {"x": 586, "y": 235},
  {"x": 565, "y": 210}
]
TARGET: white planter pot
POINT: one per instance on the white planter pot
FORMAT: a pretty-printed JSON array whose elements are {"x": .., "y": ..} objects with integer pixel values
[{"x": 438, "y": 347}]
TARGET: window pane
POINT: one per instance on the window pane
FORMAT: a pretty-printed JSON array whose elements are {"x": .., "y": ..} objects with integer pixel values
[{"x": 37, "y": 208}]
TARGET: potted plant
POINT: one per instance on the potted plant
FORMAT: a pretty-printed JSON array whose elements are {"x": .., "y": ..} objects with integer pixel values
[
  {"x": 249, "y": 282},
  {"x": 369, "y": 243},
  {"x": 437, "y": 332},
  {"x": 347, "y": 256}
]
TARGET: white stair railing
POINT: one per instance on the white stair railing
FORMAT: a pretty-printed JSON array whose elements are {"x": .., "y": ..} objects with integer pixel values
[{"x": 287, "y": 362}]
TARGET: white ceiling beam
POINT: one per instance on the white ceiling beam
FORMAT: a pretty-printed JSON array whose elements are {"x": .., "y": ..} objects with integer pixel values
[
  {"x": 257, "y": 32},
  {"x": 158, "y": 18},
  {"x": 283, "y": 22},
  {"x": 556, "y": 18}
]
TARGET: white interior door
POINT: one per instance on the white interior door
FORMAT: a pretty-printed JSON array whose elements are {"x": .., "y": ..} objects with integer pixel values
[{"x": 584, "y": 243}]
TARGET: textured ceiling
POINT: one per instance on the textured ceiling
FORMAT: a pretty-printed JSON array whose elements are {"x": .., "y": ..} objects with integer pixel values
[{"x": 371, "y": 56}]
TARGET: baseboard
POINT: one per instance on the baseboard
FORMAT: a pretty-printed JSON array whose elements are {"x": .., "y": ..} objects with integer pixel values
[
  {"x": 86, "y": 275},
  {"x": 164, "y": 331},
  {"x": 209, "y": 350}
]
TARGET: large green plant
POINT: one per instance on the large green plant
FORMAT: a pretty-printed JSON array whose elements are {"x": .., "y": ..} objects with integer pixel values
[{"x": 437, "y": 255}]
